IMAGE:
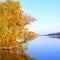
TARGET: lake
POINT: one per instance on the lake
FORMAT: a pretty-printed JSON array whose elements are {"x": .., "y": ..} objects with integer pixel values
[{"x": 44, "y": 48}]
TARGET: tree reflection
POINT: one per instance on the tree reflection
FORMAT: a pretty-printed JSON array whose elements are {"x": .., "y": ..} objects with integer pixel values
[
  {"x": 55, "y": 37},
  {"x": 15, "y": 54}
]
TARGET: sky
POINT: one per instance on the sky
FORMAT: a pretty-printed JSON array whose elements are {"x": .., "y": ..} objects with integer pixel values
[{"x": 47, "y": 13}]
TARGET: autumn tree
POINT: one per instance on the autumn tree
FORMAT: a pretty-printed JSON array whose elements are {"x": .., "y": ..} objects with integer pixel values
[
  {"x": 12, "y": 24},
  {"x": 13, "y": 55}
]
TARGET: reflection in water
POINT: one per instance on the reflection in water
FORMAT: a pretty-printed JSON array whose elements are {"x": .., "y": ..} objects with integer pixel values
[
  {"x": 15, "y": 54},
  {"x": 58, "y": 37}
]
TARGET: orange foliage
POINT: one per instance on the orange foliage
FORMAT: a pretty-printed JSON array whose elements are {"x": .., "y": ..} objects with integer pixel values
[
  {"x": 13, "y": 55},
  {"x": 12, "y": 24}
]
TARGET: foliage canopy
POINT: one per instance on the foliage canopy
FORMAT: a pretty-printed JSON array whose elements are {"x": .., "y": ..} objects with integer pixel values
[{"x": 12, "y": 24}]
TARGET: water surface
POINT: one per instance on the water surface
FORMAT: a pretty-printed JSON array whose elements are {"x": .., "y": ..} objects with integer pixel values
[{"x": 44, "y": 48}]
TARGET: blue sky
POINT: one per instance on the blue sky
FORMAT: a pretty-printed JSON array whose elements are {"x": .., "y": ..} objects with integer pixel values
[{"x": 47, "y": 13}]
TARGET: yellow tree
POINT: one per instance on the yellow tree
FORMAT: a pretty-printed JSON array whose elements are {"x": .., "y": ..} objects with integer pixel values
[
  {"x": 12, "y": 24},
  {"x": 14, "y": 55}
]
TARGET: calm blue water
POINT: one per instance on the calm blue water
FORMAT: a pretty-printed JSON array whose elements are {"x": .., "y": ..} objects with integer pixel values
[{"x": 44, "y": 48}]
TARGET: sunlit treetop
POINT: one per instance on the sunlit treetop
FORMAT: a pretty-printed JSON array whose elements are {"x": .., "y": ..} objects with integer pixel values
[
  {"x": 11, "y": 0},
  {"x": 12, "y": 24}
]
